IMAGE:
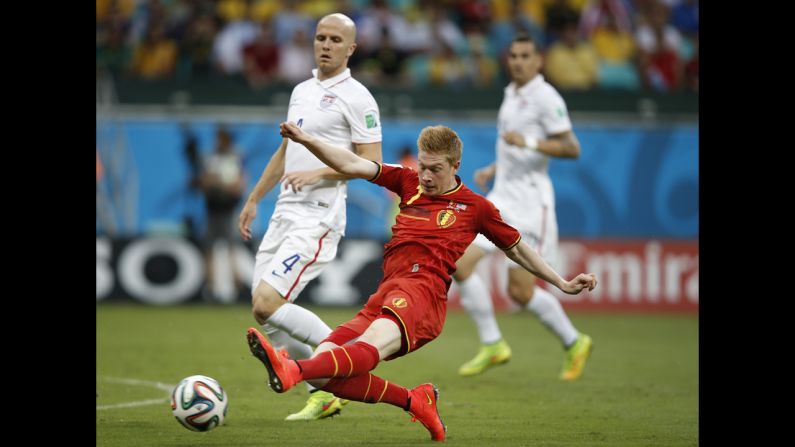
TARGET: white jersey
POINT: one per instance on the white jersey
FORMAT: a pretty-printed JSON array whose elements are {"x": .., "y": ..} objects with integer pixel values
[
  {"x": 522, "y": 188},
  {"x": 340, "y": 111}
]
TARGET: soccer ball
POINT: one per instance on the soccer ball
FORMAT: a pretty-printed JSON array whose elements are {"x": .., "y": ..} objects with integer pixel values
[{"x": 199, "y": 403}]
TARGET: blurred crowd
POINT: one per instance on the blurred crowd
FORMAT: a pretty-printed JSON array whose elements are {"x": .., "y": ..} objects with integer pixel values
[{"x": 587, "y": 44}]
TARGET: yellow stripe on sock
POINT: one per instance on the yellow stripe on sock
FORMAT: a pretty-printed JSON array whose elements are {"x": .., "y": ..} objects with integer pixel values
[
  {"x": 349, "y": 359},
  {"x": 369, "y": 381},
  {"x": 336, "y": 366},
  {"x": 386, "y": 383}
]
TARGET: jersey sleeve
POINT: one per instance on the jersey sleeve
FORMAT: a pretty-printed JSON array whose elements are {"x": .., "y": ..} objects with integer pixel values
[
  {"x": 364, "y": 118},
  {"x": 554, "y": 115},
  {"x": 495, "y": 229},
  {"x": 291, "y": 103},
  {"x": 396, "y": 178}
]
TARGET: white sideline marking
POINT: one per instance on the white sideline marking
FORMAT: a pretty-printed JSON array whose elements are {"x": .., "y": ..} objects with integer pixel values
[
  {"x": 136, "y": 382},
  {"x": 138, "y": 403}
]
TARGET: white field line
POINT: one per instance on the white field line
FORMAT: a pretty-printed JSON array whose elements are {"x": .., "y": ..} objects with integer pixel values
[
  {"x": 137, "y": 403},
  {"x": 136, "y": 382}
]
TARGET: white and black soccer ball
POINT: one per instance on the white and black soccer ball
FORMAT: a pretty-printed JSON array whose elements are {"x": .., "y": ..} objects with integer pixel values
[{"x": 199, "y": 403}]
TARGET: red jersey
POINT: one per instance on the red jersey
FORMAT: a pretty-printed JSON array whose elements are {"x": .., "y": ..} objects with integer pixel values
[{"x": 432, "y": 232}]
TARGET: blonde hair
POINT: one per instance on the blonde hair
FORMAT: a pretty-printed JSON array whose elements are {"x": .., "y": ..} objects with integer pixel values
[{"x": 441, "y": 140}]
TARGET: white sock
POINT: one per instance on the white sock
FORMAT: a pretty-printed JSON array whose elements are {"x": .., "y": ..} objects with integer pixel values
[
  {"x": 300, "y": 323},
  {"x": 477, "y": 302},
  {"x": 548, "y": 309},
  {"x": 281, "y": 339}
]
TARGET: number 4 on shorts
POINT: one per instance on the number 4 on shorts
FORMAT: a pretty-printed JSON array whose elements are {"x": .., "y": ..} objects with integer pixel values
[{"x": 290, "y": 262}]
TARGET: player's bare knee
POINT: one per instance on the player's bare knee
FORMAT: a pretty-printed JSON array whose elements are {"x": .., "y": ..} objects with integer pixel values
[
  {"x": 462, "y": 273},
  {"x": 264, "y": 303},
  {"x": 520, "y": 294},
  {"x": 384, "y": 335},
  {"x": 257, "y": 316},
  {"x": 466, "y": 264}
]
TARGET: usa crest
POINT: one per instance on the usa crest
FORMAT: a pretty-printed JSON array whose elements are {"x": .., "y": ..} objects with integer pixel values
[{"x": 327, "y": 100}]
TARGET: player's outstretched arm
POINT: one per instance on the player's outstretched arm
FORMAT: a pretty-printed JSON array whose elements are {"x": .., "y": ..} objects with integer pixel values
[
  {"x": 298, "y": 179},
  {"x": 525, "y": 256},
  {"x": 562, "y": 145},
  {"x": 344, "y": 161}
]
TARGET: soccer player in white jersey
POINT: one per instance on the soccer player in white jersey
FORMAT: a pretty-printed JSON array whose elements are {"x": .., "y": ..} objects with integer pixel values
[
  {"x": 533, "y": 125},
  {"x": 309, "y": 218}
]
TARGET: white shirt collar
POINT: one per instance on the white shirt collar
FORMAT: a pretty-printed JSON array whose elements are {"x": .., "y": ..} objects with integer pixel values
[
  {"x": 533, "y": 83},
  {"x": 328, "y": 83}
]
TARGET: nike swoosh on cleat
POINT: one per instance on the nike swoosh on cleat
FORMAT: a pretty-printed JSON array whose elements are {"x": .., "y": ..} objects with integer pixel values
[{"x": 430, "y": 402}]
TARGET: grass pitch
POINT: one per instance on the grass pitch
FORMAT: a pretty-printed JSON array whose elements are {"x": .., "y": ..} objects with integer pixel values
[{"x": 640, "y": 386}]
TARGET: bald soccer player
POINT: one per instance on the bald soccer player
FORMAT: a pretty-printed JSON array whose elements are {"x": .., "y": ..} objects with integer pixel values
[{"x": 309, "y": 218}]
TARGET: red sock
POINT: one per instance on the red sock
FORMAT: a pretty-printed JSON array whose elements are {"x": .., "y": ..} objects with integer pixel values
[
  {"x": 344, "y": 361},
  {"x": 369, "y": 389}
]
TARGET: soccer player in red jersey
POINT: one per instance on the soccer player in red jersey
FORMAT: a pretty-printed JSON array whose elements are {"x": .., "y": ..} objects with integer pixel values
[{"x": 439, "y": 217}]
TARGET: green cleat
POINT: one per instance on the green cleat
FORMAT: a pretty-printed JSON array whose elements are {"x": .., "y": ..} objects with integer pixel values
[
  {"x": 319, "y": 405},
  {"x": 488, "y": 356},
  {"x": 576, "y": 356}
]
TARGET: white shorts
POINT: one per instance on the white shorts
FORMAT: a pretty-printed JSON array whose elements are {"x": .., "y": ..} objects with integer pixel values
[
  {"x": 289, "y": 257},
  {"x": 540, "y": 232}
]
